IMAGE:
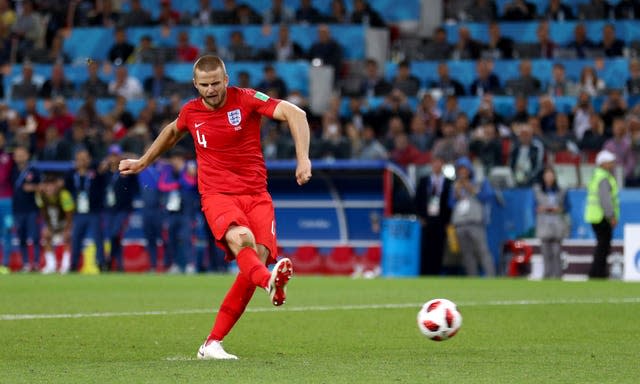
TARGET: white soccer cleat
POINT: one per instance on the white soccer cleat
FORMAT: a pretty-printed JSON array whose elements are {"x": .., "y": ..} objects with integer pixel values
[
  {"x": 214, "y": 351},
  {"x": 280, "y": 276}
]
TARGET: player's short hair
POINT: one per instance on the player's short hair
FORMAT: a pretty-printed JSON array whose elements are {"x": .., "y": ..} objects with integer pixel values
[{"x": 208, "y": 63}]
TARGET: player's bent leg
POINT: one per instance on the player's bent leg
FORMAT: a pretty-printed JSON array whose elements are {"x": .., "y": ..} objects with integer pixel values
[{"x": 241, "y": 242}]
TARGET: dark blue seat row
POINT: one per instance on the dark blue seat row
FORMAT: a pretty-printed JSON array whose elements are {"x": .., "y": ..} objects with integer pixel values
[
  {"x": 561, "y": 32},
  {"x": 95, "y": 43},
  {"x": 614, "y": 72},
  {"x": 389, "y": 9}
]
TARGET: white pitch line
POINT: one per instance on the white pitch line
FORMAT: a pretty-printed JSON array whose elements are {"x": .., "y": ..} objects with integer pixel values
[{"x": 318, "y": 308}]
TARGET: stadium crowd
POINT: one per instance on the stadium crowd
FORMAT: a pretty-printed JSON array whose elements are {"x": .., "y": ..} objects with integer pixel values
[{"x": 372, "y": 115}]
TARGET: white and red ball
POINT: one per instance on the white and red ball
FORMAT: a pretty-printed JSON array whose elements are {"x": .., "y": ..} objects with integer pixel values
[{"x": 439, "y": 319}]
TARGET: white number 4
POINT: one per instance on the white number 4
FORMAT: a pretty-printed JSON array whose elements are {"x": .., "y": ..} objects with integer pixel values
[{"x": 201, "y": 139}]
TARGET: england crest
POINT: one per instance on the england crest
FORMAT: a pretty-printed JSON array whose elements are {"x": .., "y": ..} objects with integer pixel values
[{"x": 234, "y": 117}]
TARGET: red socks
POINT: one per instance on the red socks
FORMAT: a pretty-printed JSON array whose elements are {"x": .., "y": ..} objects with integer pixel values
[
  {"x": 253, "y": 273},
  {"x": 250, "y": 265},
  {"x": 232, "y": 307}
]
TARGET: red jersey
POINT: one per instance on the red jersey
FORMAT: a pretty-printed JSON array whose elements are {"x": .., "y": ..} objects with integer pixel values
[{"x": 227, "y": 141}]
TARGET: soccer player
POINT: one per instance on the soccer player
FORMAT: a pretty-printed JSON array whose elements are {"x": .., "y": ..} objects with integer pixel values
[{"x": 232, "y": 179}]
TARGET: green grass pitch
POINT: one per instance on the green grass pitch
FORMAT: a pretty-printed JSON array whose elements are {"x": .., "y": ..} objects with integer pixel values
[{"x": 147, "y": 329}]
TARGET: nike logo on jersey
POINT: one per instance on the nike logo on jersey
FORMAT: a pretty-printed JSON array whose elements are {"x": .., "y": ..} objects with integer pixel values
[{"x": 198, "y": 125}]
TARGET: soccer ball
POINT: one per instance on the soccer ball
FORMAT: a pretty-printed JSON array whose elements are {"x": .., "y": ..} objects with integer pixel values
[{"x": 439, "y": 319}]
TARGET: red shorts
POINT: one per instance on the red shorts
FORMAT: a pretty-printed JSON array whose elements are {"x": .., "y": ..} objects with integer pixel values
[{"x": 252, "y": 211}]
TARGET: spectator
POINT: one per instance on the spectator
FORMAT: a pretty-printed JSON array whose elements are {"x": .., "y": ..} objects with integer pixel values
[
  {"x": 34, "y": 122},
  {"x": 371, "y": 149},
  {"x": 482, "y": 11},
  {"x": 420, "y": 135},
  {"x": 581, "y": 43},
  {"x": 6, "y": 192},
  {"x": 124, "y": 85},
  {"x": 486, "y": 82},
  {"x": 620, "y": 146},
  {"x": 25, "y": 180},
  {"x": 363, "y": 13},
  {"x": 547, "y": 114},
  {"x": 467, "y": 201},
  {"x": 168, "y": 15},
  {"x": 247, "y": 16},
  {"x": 279, "y": 13},
  {"x": 26, "y": 85},
  {"x": 373, "y": 83},
  {"x": 594, "y": 10},
  {"x": 429, "y": 113},
  {"x": 211, "y": 47},
  {"x": 545, "y": 45},
  {"x": 226, "y": 15},
  {"x": 94, "y": 85},
  {"x": 7, "y": 17},
  {"x": 158, "y": 84},
  {"x": 59, "y": 116},
  {"x": 633, "y": 82},
  {"x": 137, "y": 15},
  {"x": 451, "y": 109},
  {"x": 615, "y": 105},
  {"x": 633, "y": 122},
  {"x": 272, "y": 84},
  {"x": 527, "y": 157},
  {"x": 239, "y": 50},
  {"x": 177, "y": 183},
  {"x": 627, "y": 9},
  {"x": 438, "y": 48},
  {"x": 450, "y": 146},
  {"x": 151, "y": 211},
  {"x": 590, "y": 82},
  {"x": 445, "y": 84},
  {"x": 119, "y": 193},
  {"x": 244, "y": 79},
  {"x": 121, "y": 49},
  {"x": 498, "y": 46},
  {"x": 326, "y": 49},
  {"x": 432, "y": 206},
  {"x": 86, "y": 186},
  {"x": 559, "y": 85},
  {"x": 593, "y": 138},
  {"x": 526, "y": 84},
  {"x": 611, "y": 45},
  {"x": 57, "y": 210},
  {"x": 307, "y": 13},
  {"x": 405, "y": 81},
  {"x": 486, "y": 113},
  {"x": 27, "y": 29},
  {"x": 57, "y": 85},
  {"x": 404, "y": 152},
  {"x": 285, "y": 49},
  {"x": 519, "y": 10},
  {"x": 521, "y": 114},
  {"x": 486, "y": 146},
  {"x": 52, "y": 55},
  {"x": 333, "y": 143},
  {"x": 145, "y": 52},
  {"x": 186, "y": 52},
  {"x": 103, "y": 15},
  {"x": 602, "y": 210},
  {"x": 204, "y": 15},
  {"x": 466, "y": 47},
  {"x": 339, "y": 13},
  {"x": 55, "y": 149},
  {"x": 556, "y": 11},
  {"x": 581, "y": 114},
  {"x": 562, "y": 139},
  {"x": 551, "y": 226}
]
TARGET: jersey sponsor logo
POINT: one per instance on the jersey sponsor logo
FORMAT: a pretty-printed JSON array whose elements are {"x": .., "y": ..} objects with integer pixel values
[
  {"x": 261, "y": 96},
  {"x": 234, "y": 117}
]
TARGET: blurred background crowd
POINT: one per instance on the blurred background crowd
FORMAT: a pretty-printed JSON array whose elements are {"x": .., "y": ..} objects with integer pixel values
[{"x": 511, "y": 85}]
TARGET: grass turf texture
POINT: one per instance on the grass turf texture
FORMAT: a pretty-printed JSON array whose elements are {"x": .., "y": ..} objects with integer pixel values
[{"x": 147, "y": 329}]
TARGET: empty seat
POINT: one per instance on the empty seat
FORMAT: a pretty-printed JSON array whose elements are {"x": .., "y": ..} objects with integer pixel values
[
  {"x": 307, "y": 260},
  {"x": 340, "y": 261}
]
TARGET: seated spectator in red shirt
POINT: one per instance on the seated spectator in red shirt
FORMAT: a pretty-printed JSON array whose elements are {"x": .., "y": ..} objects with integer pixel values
[{"x": 185, "y": 51}]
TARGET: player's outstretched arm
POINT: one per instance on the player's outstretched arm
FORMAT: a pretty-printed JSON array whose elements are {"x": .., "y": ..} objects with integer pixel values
[
  {"x": 167, "y": 138},
  {"x": 296, "y": 118}
]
